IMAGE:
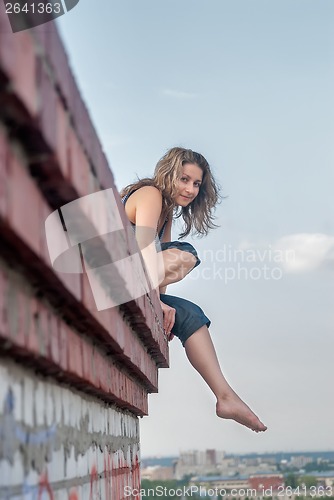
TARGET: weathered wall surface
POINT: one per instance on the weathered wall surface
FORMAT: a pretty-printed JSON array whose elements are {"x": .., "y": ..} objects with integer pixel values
[
  {"x": 74, "y": 380},
  {"x": 60, "y": 443}
]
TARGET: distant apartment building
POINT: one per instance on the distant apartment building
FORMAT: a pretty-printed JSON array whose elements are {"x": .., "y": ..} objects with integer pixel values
[
  {"x": 221, "y": 482},
  {"x": 157, "y": 473},
  {"x": 215, "y": 462},
  {"x": 211, "y": 457},
  {"x": 241, "y": 487},
  {"x": 325, "y": 479},
  {"x": 229, "y": 465},
  {"x": 248, "y": 470},
  {"x": 195, "y": 462},
  {"x": 299, "y": 461},
  {"x": 245, "y": 466}
]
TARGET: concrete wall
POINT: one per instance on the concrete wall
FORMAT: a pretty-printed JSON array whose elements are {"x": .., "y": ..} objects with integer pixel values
[
  {"x": 59, "y": 443},
  {"x": 74, "y": 380}
]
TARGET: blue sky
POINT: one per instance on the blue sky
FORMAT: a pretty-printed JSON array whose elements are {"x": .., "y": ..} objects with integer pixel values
[{"x": 249, "y": 84}]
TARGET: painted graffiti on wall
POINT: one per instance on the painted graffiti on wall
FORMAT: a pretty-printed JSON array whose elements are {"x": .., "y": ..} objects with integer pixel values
[
  {"x": 106, "y": 476},
  {"x": 14, "y": 434},
  {"x": 110, "y": 484},
  {"x": 44, "y": 486},
  {"x": 94, "y": 484}
]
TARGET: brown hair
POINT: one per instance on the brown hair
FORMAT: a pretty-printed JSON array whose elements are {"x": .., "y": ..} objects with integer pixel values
[{"x": 198, "y": 215}]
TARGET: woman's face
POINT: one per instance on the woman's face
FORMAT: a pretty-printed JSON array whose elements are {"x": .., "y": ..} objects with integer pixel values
[{"x": 188, "y": 184}]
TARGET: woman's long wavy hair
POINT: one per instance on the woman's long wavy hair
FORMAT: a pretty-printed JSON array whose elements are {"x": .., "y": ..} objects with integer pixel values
[{"x": 198, "y": 215}]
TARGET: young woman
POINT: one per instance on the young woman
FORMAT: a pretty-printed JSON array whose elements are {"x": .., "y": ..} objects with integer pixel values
[{"x": 183, "y": 186}]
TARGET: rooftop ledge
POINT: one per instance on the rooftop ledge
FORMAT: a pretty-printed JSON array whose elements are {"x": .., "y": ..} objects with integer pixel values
[{"x": 50, "y": 156}]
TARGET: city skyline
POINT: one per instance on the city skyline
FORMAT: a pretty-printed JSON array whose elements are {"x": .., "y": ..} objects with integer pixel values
[{"x": 230, "y": 453}]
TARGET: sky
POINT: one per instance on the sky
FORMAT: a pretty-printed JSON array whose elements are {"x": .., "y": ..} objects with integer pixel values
[{"x": 249, "y": 84}]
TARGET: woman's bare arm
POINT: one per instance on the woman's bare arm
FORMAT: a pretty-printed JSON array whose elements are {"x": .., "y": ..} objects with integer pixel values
[
  {"x": 167, "y": 237},
  {"x": 148, "y": 205},
  {"x": 146, "y": 211}
]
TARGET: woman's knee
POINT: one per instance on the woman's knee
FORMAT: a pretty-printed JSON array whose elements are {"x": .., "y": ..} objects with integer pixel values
[
  {"x": 187, "y": 260},
  {"x": 179, "y": 260},
  {"x": 192, "y": 262}
]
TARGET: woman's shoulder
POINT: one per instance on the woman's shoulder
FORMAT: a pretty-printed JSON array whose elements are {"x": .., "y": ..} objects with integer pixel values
[{"x": 151, "y": 193}]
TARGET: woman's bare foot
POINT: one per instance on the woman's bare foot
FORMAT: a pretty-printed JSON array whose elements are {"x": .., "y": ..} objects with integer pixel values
[{"x": 232, "y": 407}]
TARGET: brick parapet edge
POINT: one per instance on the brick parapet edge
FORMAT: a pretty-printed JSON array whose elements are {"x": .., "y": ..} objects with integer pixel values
[{"x": 50, "y": 155}]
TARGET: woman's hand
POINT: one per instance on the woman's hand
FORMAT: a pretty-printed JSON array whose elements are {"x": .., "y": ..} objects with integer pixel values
[{"x": 169, "y": 319}]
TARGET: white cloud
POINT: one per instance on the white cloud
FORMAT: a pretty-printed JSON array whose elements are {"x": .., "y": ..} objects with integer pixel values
[
  {"x": 178, "y": 94},
  {"x": 306, "y": 251},
  {"x": 295, "y": 253}
]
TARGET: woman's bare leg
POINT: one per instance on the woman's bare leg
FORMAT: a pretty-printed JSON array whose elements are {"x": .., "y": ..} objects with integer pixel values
[
  {"x": 202, "y": 355},
  {"x": 177, "y": 264}
]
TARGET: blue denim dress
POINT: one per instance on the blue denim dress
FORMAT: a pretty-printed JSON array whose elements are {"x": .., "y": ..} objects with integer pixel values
[{"x": 189, "y": 317}]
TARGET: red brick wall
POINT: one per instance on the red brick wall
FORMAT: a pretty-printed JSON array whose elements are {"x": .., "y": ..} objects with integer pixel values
[{"x": 49, "y": 325}]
